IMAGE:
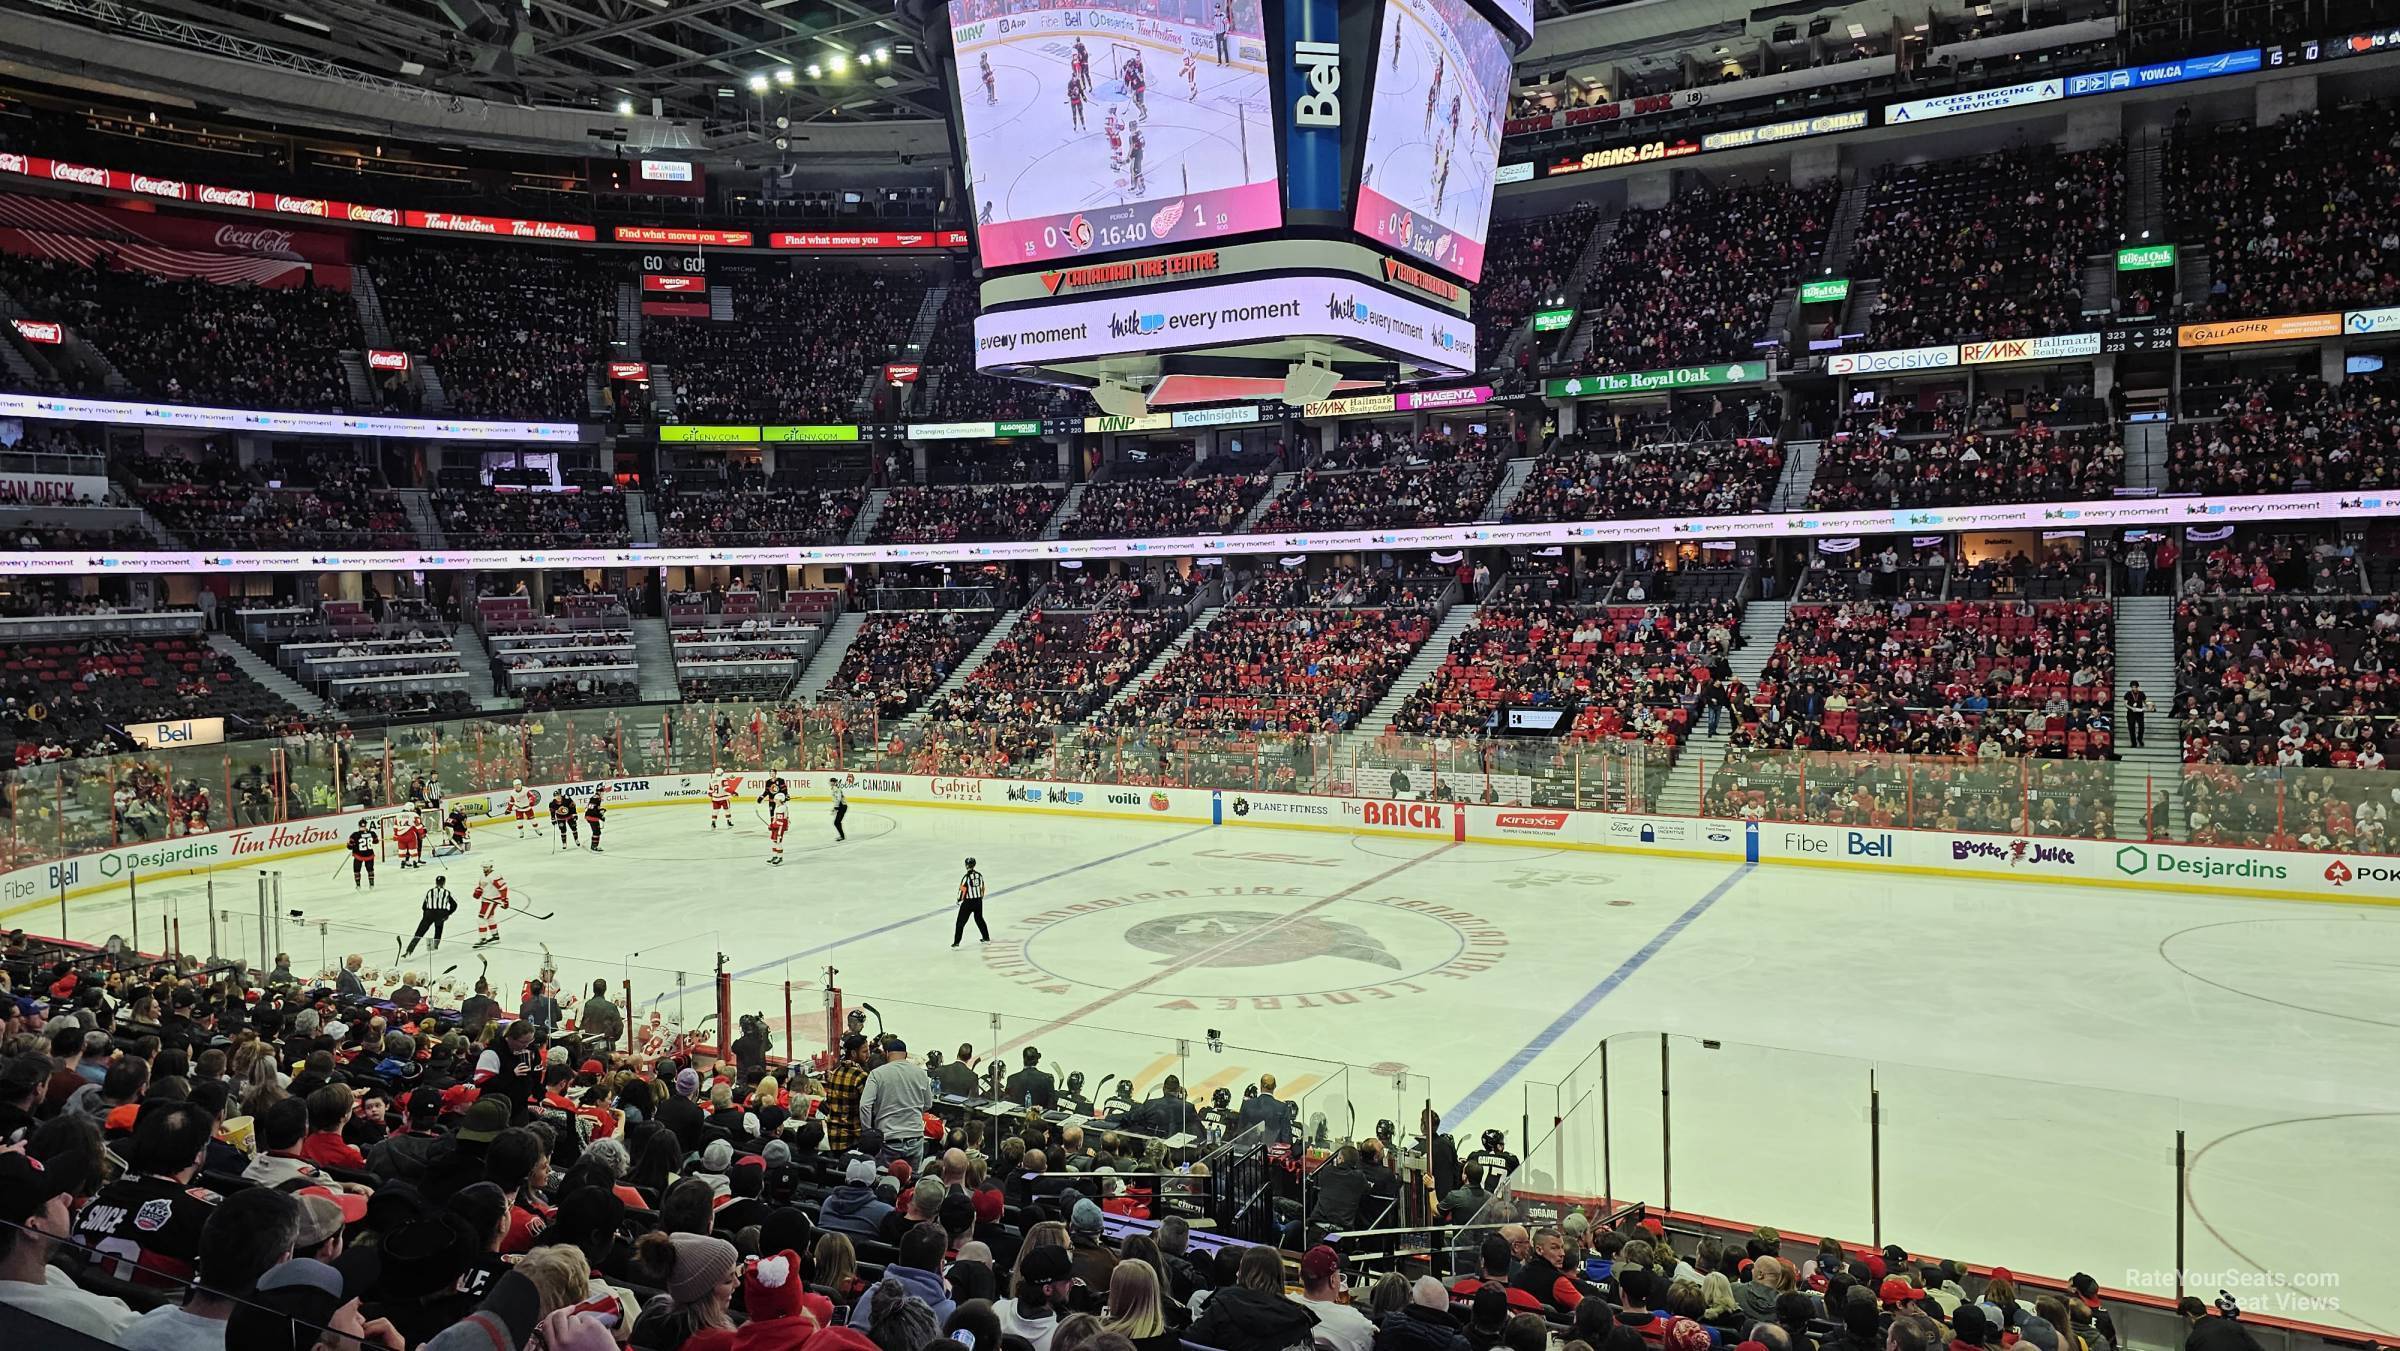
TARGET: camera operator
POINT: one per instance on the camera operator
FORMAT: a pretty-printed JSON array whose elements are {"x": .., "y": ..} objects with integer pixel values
[{"x": 751, "y": 1047}]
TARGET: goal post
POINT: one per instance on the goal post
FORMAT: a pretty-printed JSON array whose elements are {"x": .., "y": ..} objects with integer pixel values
[{"x": 1118, "y": 54}]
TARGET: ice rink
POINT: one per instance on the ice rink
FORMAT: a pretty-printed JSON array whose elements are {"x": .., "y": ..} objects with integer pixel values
[{"x": 2034, "y": 1049}]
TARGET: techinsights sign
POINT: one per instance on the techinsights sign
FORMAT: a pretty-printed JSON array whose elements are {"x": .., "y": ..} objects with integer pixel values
[{"x": 1266, "y": 309}]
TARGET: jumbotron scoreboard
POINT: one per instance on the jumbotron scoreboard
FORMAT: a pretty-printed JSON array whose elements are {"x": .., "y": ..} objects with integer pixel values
[{"x": 1278, "y": 194}]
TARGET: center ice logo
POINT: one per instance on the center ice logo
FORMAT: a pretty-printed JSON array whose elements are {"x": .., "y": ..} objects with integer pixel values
[{"x": 1255, "y": 938}]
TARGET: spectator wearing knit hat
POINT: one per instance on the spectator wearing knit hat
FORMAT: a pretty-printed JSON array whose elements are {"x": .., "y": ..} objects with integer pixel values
[{"x": 701, "y": 1276}]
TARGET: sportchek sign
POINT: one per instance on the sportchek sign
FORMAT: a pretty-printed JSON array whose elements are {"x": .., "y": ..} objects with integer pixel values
[
  {"x": 674, "y": 283},
  {"x": 1644, "y": 382}
]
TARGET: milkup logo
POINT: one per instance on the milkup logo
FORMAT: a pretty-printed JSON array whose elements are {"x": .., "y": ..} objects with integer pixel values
[
  {"x": 1133, "y": 323},
  {"x": 1407, "y": 815}
]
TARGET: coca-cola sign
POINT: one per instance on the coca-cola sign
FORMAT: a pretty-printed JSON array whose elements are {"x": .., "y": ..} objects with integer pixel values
[
  {"x": 241, "y": 197},
  {"x": 256, "y": 239},
  {"x": 159, "y": 187},
  {"x": 380, "y": 360},
  {"x": 301, "y": 206},
  {"x": 79, "y": 173},
  {"x": 40, "y": 330}
]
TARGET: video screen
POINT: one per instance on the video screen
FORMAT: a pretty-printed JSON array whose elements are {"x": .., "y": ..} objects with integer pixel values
[
  {"x": 1106, "y": 125},
  {"x": 1433, "y": 133}
]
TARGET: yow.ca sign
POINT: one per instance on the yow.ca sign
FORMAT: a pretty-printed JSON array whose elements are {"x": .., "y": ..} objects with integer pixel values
[
  {"x": 2136, "y": 257},
  {"x": 1643, "y": 382}
]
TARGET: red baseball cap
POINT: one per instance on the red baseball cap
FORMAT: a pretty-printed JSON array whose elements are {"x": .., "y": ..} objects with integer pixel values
[{"x": 1897, "y": 1290}]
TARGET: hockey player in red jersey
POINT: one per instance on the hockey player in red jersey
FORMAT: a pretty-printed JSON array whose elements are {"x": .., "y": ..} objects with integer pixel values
[
  {"x": 520, "y": 805},
  {"x": 777, "y": 825},
  {"x": 720, "y": 801},
  {"x": 492, "y": 891},
  {"x": 409, "y": 841}
]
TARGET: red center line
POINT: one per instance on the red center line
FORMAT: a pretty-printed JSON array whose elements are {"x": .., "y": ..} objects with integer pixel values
[{"x": 1201, "y": 958}]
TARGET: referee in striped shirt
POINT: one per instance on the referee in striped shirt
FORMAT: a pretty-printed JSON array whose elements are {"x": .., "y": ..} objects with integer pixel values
[
  {"x": 970, "y": 905},
  {"x": 439, "y": 906}
]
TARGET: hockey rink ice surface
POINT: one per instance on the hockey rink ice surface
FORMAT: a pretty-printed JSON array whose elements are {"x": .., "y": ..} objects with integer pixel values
[{"x": 2035, "y": 1047}]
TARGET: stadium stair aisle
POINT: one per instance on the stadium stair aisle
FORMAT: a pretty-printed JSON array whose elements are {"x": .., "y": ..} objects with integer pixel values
[
  {"x": 1762, "y": 624},
  {"x": 1799, "y": 475},
  {"x": 868, "y": 513},
  {"x": 1178, "y": 643},
  {"x": 476, "y": 661},
  {"x": 654, "y": 654},
  {"x": 2146, "y": 652},
  {"x": 263, "y": 671},
  {"x": 1067, "y": 507},
  {"x": 1420, "y": 668},
  {"x": 974, "y": 659},
  {"x": 827, "y": 662},
  {"x": 418, "y": 504},
  {"x": 1511, "y": 484},
  {"x": 1259, "y": 512}
]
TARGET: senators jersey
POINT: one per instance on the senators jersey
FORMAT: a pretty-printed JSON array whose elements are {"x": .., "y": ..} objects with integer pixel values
[
  {"x": 362, "y": 843},
  {"x": 147, "y": 1229},
  {"x": 561, "y": 810}
]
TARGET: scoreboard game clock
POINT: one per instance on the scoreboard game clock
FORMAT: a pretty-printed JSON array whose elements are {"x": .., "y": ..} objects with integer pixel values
[{"x": 1295, "y": 193}]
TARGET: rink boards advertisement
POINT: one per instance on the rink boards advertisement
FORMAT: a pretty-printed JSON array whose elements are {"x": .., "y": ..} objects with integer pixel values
[{"x": 2284, "y": 874}]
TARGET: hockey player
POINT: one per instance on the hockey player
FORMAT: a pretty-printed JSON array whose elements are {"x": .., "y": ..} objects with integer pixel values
[
  {"x": 991, "y": 87},
  {"x": 778, "y": 821},
  {"x": 1191, "y": 76},
  {"x": 1079, "y": 66},
  {"x": 409, "y": 841},
  {"x": 562, "y": 815},
  {"x": 841, "y": 809},
  {"x": 1395, "y": 46},
  {"x": 1114, "y": 128},
  {"x": 456, "y": 824},
  {"x": 492, "y": 891},
  {"x": 1137, "y": 83},
  {"x": 1133, "y": 158},
  {"x": 594, "y": 814},
  {"x": 362, "y": 856},
  {"x": 1075, "y": 103},
  {"x": 720, "y": 801},
  {"x": 775, "y": 789},
  {"x": 1432, "y": 95},
  {"x": 520, "y": 804}
]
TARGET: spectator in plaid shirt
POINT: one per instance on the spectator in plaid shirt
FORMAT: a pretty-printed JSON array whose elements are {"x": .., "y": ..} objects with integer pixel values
[{"x": 843, "y": 1083}]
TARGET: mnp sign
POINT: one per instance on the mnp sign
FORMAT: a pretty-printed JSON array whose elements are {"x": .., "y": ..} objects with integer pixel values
[{"x": 1313, "y": 105}]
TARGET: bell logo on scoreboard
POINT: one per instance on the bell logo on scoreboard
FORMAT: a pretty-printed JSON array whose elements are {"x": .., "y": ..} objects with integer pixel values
[{"x": 1321, "y": 106}]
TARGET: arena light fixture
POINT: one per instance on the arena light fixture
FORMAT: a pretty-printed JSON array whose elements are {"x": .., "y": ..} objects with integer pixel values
[
  {"x": 758, "y": 84},
  {"x": 784, "y": 76},
  {"x": 883, "y": 56},
  {"x": 839, "y": 62},
  {"x": 815, "y": 71},
  {"x": 624, "y": 107},
  {"x": 303, "y": 21}
]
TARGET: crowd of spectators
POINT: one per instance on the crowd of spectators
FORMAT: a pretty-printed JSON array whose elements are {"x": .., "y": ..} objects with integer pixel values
[
  {"x": 2296, "y": 218},
  {"x": 1262, "y": 667},
  {"x": 494, "y": 518},
  {"x": 514, "y": 332},
  {"x": 1696, "y": 280},
  {"x": 1052, "y": 669},
  {"x": 2070, "y": 799},
  {"x": 1593, "y": 481},
  {"x": 798, "y": 348},
  {"x": 2288, "y": 433},
  {"x": 1399, "y": 586},
  {"x": 214, "y": 501},
  {"x": 1207, "y": 504},
  {"x": 1632, "y": 673},
  {"x": 1982, "y": 679},
  {"x": 751, "y": 510},
  {"x": 68, "y": 697},
  {"x": 901, "y": 656},
  {"x": 2263, "y": 566},
  {"x": 2291, "y": 681},
  {"x": 1424, "y": 483},
  {"x": 1524, "y": 267},
  {"x": 1987, "y": 247},
  {"x": 184, "y": 340},
  {"x": 950, "y": 388},
  {"x": 951, "y": 514},
  {"x": 1873, "y": 465}
]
